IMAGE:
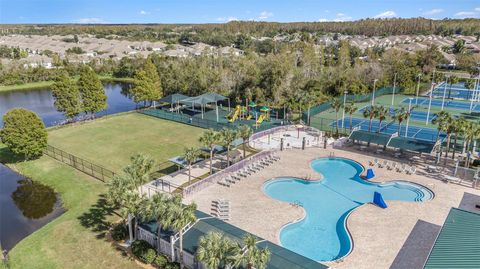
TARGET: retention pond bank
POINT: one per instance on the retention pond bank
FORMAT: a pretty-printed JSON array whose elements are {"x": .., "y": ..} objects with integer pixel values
[{"x": 25, "y": 206}]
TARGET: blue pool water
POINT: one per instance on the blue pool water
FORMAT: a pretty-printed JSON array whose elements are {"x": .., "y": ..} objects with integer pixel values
[{"x": 322, "y": 234}]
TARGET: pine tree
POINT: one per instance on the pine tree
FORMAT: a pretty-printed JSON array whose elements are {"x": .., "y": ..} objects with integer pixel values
[
  {"x": 147, "y": 84},
  {"x": 24, "y": 133},
  {"x": 91, "y": 91},
  {"x": 67, "y": 96}
]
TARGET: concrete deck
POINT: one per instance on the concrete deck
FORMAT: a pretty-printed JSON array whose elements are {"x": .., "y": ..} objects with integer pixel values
[{"x": 378, "y": 234}]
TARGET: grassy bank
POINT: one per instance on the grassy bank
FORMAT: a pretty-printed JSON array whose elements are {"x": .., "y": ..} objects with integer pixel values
[
  {"x": 76, "y": 239},
  {"x": 111, "y": 141},
  {"x": 45, "y": 84}
]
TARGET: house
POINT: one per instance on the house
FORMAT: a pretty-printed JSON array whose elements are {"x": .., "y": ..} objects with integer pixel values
[{"x": 176, "y": 53}]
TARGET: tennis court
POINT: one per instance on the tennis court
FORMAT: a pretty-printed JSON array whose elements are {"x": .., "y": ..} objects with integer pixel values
[
  {"x": 456, "y": 91},
  {"x": 465, "y": 106},
  {"x": 414, "y": 115},
  {"x": 390, "y": 127}
]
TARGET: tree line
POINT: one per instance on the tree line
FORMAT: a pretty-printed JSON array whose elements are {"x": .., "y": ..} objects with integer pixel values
[{"x": 228, "y": 33}]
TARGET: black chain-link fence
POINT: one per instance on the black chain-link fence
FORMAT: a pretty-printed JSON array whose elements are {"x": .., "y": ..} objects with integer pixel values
[{"x": 80, "y": 164}]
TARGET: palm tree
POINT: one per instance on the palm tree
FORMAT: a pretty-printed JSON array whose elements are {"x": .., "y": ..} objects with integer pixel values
[
  {"x": 244, "y": 132},
  {"x": 227, "y": 138},
  {"x": 336, "y": 104},
  {"x": 139, "y": 169},
  {"x": 401, "y": 115},
  {"x": 252, "y": 256},
  {"x": 440, "y": 119},
  {"x": 449, "y": 128},
  {"x": 179, "y": 217},
  {"x": 453, "y": 80},
  {"x": 209, "y": 139},
  {"x": 156, "y": 208},
  {"x": 123, "y": 189},
  {"x": 472, "y": 133},
  {"x": 191, "y": 155},
  {"x": 458, "y": 130},
  {"x": 370, "y": 112},
  {"x": 382, "y": 114},
  {"x": 217, "y": 251},
  {"x": 350, "y": 109}
]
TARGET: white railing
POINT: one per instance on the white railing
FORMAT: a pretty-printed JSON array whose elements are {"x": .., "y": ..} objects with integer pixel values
[
  {"x": 147, "y": 236},
  {"x": 213, "y": 179},
  {"x": 270, "y": 131}
]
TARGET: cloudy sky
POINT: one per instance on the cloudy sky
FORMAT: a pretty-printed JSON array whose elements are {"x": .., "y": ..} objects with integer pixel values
[{"x": 216, "y": 11}]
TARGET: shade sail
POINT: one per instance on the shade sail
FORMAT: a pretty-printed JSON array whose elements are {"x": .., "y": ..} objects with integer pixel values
[{"x": 173, "y": 98}]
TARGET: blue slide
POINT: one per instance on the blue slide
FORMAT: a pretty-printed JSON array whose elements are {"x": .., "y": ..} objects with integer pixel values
[{"x": 378, "y": 200}]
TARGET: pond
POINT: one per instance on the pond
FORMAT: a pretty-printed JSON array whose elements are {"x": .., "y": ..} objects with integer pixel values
[
  {"x": 25, "y": 206},
  {"x": 41, "y": 102}
]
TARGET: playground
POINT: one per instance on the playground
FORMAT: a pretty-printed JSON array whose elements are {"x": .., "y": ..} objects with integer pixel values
[{"x": 212, "y": 110}]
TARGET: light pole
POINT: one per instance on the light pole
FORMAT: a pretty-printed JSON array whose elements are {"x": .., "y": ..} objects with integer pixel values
[
  {"x": 473, "y": 95},
  {"x": 344, "y": 101},
  {"x": 394, "y": 85},
  {"x": 408, "y": 119},
  {"x": 418, "y": 88},
  {"x": 444, "y": 91},
  {"x": 429, "y": 104},
  {"x": 373, "y": 95}
]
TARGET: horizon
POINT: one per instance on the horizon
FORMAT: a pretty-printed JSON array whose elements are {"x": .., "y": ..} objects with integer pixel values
[{"x": 112, "y": 12}]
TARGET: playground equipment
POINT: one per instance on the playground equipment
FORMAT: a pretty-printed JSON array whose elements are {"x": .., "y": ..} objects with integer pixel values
[
  {"x": 236, "y": 113},
  {"x": 260, "y": 119}
]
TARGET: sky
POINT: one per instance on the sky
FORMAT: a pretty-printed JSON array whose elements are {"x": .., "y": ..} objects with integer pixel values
[{"x": 217, "y": 11}]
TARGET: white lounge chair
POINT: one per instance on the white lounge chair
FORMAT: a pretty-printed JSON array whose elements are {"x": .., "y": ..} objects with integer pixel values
[
  {"x": 412, "y": 170},
  {"x": 382, "y": 164},
  {"x": 389, "y": 165},
  {"x": 401, "y": 168}
]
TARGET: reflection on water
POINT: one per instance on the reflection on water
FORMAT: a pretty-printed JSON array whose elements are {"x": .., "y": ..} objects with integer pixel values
[
  {"x": 25, "y": 206},
  {"x": 41, "y": 102},
  {"x": 27, "y": 197}
]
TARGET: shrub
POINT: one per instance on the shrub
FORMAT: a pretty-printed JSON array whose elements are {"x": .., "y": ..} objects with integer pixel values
[
  {"x": 172, "y": 265},
  {"x": 119, "y": 232},
  {"x": 160, "y": 261},
  {"x": 143, "y": 251}
]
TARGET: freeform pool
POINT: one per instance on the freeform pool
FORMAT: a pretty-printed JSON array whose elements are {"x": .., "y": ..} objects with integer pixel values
[{"x": 322, "y": 234}]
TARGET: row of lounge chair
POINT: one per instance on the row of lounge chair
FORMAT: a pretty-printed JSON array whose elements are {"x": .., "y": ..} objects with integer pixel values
[
  {"x": 409, "y": 170},
  {"x": 248, "y": 170}
]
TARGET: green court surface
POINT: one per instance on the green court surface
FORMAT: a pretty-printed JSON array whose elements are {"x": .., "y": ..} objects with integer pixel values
[
  {"x": 111, "y": 141},
  {"x": 324, "y": 119}
]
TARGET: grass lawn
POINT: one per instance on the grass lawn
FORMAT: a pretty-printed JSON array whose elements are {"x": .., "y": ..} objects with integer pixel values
[
  {"x": 26, "y": 86},
  {"x": 76, "y": 238},
  {"x": 44, "y": 84},
  {"x": 111, "y": 141}
]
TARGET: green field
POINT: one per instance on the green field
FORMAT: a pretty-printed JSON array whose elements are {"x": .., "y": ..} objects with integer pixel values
[
  {"x": 111, "y": 141},
  {"x": 44, "y": 84},
  {"x": 76, "y": 238}
]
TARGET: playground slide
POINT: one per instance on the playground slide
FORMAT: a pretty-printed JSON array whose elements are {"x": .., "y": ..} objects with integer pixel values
[
  {"x": 378, "y": 200},
  {"x": 235, "y": 115},
  {"x": 260, "y": 119},
  {"x": 249, "y": 117}
]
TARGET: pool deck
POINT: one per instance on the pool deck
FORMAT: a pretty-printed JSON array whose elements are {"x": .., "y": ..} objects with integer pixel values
[{"x": 378, "y": 234}]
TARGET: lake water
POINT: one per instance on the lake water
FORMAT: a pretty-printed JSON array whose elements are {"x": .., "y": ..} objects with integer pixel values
[
  {"x": 25, "y": 206},
  {"x": 41, "y": 102}
]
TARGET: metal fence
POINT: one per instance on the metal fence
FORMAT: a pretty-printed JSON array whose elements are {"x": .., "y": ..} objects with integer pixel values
[
  {"x": 80, "y": 164},
  {"x": 212, "y": 179},
  {"x": 203, "y": 123},
  {"x": 350, "y": 98}
]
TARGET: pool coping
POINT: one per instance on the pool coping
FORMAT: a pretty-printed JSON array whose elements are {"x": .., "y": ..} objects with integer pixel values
[{"x": 352, "y": 242}]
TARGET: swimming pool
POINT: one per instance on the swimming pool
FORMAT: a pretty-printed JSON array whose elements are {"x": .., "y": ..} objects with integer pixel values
[{"x": 322, "y": 234}]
